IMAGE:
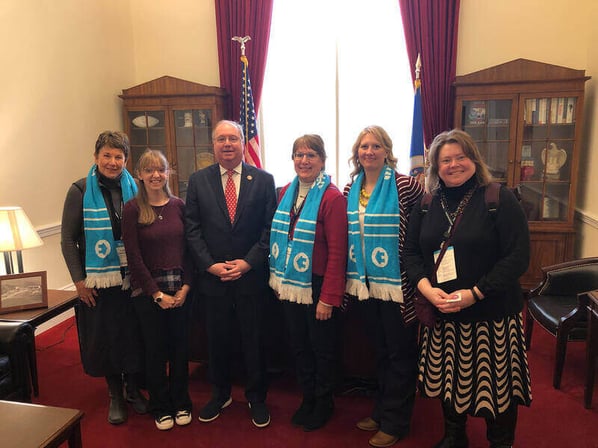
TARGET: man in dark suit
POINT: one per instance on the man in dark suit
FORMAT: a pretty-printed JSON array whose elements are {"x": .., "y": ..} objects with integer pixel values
[{"x": 229, "y": 211}]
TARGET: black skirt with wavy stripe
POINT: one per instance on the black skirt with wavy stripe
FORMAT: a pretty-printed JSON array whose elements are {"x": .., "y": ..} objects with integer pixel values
[{"x": 479, "y": 368}]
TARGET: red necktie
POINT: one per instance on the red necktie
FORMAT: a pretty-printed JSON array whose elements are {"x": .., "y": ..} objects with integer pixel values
[{"x": 230, "y": 193}]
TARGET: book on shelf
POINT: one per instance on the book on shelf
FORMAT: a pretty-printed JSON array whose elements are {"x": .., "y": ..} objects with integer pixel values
[
  {"x": 530, "y": 108},
  {"x": 560, "y": 110},
  {"x": 542, "y": 102},
  {"x": 553, "y": 109},
  {"x": 570, "y": 113}
]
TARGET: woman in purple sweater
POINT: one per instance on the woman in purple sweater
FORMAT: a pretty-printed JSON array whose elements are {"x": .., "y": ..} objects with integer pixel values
[{"x": 161, "y": 272}]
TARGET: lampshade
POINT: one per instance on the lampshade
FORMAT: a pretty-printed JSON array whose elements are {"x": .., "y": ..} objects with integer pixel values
[{"x": 16, "y": 231}]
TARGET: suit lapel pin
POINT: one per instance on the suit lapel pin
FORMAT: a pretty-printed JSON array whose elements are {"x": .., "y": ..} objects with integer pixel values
[{"x": 249, "y": 177}]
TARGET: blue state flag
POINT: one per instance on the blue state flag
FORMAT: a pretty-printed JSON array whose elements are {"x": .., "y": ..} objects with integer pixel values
[{"x": 417, "y": 136}]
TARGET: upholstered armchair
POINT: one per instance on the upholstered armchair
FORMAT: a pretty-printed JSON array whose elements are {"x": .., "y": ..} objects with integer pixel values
[
  {"x": 559, "y": 307},
  {"x": 16, "y": 344}
]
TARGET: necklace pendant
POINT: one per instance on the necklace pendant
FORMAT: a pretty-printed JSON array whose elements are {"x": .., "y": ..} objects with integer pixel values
[{"x": 160, "y": 217}]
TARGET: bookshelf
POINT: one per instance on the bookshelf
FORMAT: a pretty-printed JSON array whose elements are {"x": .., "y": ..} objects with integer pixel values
[
  {"x": 526, "y": 118},
  {"x": 176, "y": 117}
]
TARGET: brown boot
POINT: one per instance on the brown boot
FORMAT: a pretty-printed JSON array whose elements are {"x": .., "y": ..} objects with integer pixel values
[{"x": 381, "y": 439}]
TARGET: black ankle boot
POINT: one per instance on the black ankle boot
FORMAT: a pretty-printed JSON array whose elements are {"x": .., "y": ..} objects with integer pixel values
[
  {"x": 500, "y": 432},
  {"x": 134, "y": 395},
  {"x": 455, "y": 435},
  {"x": 302, "y": 414},
  {"x": 117, "y": 411},
  {"x": 320, "y": 415}
]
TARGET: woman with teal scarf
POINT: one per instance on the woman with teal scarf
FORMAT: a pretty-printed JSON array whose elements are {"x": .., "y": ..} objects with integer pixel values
[
  {"x": 308, "y": 253},
  {"x": 378, "y": 207},
  {"x": 109, "y": 336}
]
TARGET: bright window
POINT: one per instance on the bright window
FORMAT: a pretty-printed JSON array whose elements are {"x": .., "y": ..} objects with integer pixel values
[{"x": 334, "y": 67}]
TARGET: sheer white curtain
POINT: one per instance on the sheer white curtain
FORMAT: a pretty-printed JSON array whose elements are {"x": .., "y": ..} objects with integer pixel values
[{"x": 334, "y": 67}]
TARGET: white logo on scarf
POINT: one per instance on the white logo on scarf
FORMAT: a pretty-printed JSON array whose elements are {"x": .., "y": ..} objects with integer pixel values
[
  {"x": 301, "y": 262},
  {"x": 352, "y": 253},
  {"x": 275, "y": 250},
  {"x": 102, "y": 248},
  {"x": 379, "y": 257}
]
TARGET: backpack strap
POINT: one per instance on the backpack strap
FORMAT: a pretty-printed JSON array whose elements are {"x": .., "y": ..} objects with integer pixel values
[
  {"x": 426, "y": 200},
  {"x": 491, "y": 196}
]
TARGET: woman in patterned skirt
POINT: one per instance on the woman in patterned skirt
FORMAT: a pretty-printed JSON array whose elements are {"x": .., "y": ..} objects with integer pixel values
[{"x": 473, "y": 359}]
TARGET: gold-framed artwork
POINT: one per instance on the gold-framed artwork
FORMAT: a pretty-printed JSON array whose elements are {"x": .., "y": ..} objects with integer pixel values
[{"x": 24, "y": 291}]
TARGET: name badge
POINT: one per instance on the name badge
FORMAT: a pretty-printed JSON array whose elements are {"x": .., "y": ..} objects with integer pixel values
[
  {"x": 122, "y": 255},
  {"x": 447, "y": 270}
]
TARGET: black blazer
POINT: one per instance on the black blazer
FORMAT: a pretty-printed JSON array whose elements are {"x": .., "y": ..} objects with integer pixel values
[{"x": 212, "y": 238}]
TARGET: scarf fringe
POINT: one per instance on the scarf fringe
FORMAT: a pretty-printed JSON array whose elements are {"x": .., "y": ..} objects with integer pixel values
[
  {"x": 105, "y": 280},
  {"x": 289, "y": 292},
  {"x": 386, "y": 292},
  {"x": 357, "y": 288}
]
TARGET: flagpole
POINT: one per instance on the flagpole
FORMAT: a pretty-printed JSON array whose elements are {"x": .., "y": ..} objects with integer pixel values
[{"x": 247, "y": 118}]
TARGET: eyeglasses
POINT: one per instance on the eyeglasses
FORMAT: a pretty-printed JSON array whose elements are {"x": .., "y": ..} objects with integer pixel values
[
  {"x": 161, "y": 170},
  {"x": 231, "y": 139},
  {"x": 448, "y": 160},
  {"x": 301, "y": 155}
]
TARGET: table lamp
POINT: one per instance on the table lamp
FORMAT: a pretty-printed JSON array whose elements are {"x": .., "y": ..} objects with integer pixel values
[{"x": 16, "y": 234}]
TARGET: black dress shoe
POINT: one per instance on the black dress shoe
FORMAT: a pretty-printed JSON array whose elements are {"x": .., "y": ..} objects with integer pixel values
[
  {"x": 301, "y": 415},
  {"x": 322, "y": 412},
  {"x": 138, "y": 402},
  {"x": 453, "y": 442}
]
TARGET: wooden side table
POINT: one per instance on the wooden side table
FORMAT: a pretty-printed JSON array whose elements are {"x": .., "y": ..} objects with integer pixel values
[
  {"x": 591, "y": 346},
  {"x": 29, "y": 425}
]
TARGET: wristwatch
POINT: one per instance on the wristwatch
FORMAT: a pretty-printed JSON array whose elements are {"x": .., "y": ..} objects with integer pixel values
[{"x": 158, "y": 299}]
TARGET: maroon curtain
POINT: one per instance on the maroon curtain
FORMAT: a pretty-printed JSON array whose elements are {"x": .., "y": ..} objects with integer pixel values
[
  {"x": 431, "y": 30},
  {"x": 242, "y": 18}
]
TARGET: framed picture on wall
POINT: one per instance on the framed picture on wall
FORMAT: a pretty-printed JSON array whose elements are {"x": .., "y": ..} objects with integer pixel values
[{"x": 23, "y": 291}]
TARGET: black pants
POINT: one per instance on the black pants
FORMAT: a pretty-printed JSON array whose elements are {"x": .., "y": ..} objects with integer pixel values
[
  {"x": 109, "y": 336},
  {"x": 396, "y": 364},
  {"x": 166, "y": 338},
  {"x": 315, "y": 346},
  {"x": 244, "y": 310}
]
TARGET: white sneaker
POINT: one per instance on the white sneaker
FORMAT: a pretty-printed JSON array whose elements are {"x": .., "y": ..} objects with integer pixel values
[
  {"x": 164, "y": 423},
  {"x": 183, "y": 417}
]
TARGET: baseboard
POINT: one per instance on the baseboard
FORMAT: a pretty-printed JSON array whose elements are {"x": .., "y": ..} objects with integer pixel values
[
  {"x": 58, "y": 319},
  {"x": 54, "y": 321}
]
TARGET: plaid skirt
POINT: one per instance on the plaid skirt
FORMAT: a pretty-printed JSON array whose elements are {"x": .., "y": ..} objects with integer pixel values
[{"x": 478, "y": 368}]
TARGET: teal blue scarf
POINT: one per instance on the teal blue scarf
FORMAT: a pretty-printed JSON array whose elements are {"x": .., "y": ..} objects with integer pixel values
[
  {"x": 291, "y": 260},
  {"x": 102, "y": 263},
  {"x": 375, "y": 258}
]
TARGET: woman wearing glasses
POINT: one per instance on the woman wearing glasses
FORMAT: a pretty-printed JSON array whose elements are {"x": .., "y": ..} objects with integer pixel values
[
  {"x": 161, "y": 272},
  {"x": 308, "y": 252}
]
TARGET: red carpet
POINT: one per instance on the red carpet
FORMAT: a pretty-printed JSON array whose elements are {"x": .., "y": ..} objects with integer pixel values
[{"x": 556, "y": 418}]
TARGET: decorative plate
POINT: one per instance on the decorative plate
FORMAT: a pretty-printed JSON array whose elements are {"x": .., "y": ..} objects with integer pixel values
[{"x": 141, "y": 123}]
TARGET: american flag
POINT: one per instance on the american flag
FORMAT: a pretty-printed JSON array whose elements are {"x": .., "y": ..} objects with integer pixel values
[{"x": 247, "y": 118}]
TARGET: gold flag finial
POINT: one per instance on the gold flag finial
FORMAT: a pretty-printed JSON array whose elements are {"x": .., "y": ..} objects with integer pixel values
[{"x": 418, "y": 66}]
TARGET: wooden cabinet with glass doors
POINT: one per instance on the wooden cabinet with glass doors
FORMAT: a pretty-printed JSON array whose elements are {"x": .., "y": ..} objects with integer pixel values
[
  {"x": 526, "y": 117},
  {"x": 176, "y": 117}
]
